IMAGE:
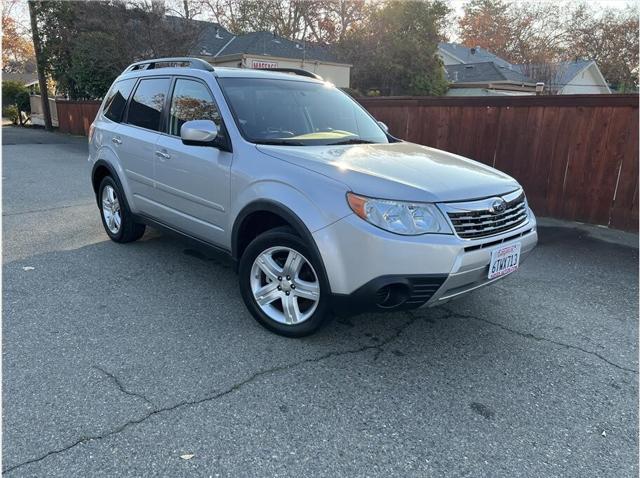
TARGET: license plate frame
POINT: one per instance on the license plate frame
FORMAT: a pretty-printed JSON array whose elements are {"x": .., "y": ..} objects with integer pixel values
[{"x": 505, "y": 260}]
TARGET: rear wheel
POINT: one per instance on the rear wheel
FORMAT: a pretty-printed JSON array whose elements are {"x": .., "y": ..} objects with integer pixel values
[
  {"x": 117, "y": 220},
  {"x": 282, "y": 284}
]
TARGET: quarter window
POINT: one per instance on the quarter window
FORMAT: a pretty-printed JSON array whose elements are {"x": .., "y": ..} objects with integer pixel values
[
  {"x": 146, "y": 105},
  {"x": 191, "y": 101},
  {"x": 117, "y": 99}
]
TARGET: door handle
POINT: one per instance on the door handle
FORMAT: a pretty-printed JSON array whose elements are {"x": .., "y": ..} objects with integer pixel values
[
  {"x": 163, "y": 155},
  {"x": 116, "y": 140}
]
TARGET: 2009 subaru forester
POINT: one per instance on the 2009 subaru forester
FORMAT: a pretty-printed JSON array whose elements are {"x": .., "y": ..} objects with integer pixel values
[{"x": 322, "y": 209}]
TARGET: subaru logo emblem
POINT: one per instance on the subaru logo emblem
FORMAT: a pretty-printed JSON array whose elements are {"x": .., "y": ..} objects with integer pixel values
[{"x": 498, "y": 206}]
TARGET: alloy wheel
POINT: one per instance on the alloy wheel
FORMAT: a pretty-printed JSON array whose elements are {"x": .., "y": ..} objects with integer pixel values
[
  {"x": 285, "y": 285},
  {"x": 111, "y": 209}
]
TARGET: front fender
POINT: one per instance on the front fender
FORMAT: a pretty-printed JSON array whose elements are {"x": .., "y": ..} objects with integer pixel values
[{"x": 304, "y": 205}]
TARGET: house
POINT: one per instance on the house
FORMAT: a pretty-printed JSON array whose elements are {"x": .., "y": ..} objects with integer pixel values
[
  {"x": 487, "y": 79},
  {"x": 478, "y": 72},
  {"x": 580, "y": 77},
  {"x": 30, "y": 80},
  {"x": 265, "y": 50}
]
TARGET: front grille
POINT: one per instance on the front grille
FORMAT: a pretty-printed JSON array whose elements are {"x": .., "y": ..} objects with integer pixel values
[
  {"x": 476, "y": 223},
  {"x": 485, "y": 245}
]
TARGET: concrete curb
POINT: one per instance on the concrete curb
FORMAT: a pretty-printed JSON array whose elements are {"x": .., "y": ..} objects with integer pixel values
[{"x": 602, "y": 233}]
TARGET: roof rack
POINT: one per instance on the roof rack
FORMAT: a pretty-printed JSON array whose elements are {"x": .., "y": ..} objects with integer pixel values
[
  {"x": 196, "y": 63},
  {"x": 295, "y": 71}
]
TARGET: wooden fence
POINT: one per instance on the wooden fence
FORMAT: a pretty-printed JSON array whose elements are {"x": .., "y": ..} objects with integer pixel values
[
  {"x": 576, "y": 156},
  {"x": 75, "y": 117}
]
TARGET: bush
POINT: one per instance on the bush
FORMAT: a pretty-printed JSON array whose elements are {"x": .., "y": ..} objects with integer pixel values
[
  {"x": 15, "y": 99},
  {"x": 16, "y": 94},
  {"x": 11, "y": 112}
]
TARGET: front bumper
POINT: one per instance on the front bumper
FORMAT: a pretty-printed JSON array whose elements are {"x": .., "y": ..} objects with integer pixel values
[{"x": 361, "y": 259}]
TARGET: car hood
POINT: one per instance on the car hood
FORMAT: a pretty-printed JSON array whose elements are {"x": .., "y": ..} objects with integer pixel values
[{"x": 402, "y": 171}]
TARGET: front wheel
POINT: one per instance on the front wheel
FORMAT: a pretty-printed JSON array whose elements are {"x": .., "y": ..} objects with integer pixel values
[{"x": 282, "y": 284}]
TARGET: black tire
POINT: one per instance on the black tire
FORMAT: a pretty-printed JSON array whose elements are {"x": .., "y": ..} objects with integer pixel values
[
  {"x": 283, "y": 237},
  {"x": 129, "y": 229}
]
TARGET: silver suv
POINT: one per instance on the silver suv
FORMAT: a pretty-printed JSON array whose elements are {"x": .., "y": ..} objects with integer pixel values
[{"x": 321, "y": 209}]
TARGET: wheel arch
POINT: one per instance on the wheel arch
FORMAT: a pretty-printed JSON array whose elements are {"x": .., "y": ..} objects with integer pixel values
[
  {"x": 102, "y": 168},
  {"x": 263, "y": 208}
]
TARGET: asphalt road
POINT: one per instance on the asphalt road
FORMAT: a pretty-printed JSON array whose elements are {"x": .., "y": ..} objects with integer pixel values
[{"x": 118, "y": 359}]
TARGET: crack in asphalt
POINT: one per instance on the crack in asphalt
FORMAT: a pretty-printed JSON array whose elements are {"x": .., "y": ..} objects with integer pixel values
[
  {"x": 537, "y": 338},
  {"x": 379, "y": 347},
  {"x": 122, "y": 388},
  {"x": 396, "y": 334}
]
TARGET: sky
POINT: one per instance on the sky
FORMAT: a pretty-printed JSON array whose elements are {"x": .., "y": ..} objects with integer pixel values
[{"x": 604, "y": 4}]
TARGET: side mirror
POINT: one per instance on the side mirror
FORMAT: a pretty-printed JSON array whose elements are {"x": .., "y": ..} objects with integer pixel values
[
  {"x": 199, "y": 132},
  {"x": 383, "y": 126}
]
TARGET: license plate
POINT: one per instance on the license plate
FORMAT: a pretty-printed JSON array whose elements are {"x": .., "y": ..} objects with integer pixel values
[{"x": 504, "y": 260}]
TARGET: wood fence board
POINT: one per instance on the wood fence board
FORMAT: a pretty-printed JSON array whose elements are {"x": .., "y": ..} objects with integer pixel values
[
  {"x": 75, "y": 117},
  {"x": 624, "y": 211}
]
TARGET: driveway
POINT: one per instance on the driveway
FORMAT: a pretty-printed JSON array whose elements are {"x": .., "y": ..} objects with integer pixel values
[{"x": 124, "y": 360}]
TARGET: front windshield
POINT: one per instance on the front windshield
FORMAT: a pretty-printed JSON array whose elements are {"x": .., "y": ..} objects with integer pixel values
[{"x": 298, "y": 113}]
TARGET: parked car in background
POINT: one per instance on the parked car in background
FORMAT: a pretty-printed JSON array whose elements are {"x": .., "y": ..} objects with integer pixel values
[{"x": 321, "y": 208}]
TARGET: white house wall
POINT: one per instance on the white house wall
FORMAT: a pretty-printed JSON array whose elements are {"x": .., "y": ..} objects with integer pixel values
[
  {"x": 339, "y": 75},
  {"x": 585, "y": 83}
]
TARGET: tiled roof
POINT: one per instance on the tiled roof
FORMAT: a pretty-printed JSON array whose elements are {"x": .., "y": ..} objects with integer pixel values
[
  {"x": 214, "y": 40},
  {"x": 213, "y": 37},
  {"x": 472, "y": 55},
  {"x": 564, "y": 71},
  {"x": 24, "y": 78},
  {"x": 484, "y": 73}
]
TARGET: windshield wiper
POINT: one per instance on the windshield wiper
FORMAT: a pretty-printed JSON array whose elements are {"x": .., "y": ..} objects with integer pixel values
[
  {"x": 280, "y": 142},
  {"x": 351, "y": 141}
]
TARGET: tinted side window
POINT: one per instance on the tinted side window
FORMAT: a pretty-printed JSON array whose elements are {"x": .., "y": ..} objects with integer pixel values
[
  {"x": 146, "y": 105},
  {"x": 117, "y": 99},
  {"x": 191, "y": 101}
]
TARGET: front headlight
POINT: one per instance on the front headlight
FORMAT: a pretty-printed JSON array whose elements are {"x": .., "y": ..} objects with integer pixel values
[{"x": 399, "y": 217}]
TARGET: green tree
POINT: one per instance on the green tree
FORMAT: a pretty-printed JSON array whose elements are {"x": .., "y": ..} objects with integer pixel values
[
  {"x": 395, "y": 49},
  {"x": 88, "y": 44}
]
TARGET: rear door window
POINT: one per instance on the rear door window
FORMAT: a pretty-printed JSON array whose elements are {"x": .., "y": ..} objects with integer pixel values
[
  {"x": 117, "y": 99},
  {"x": 145, "y": 109}
]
